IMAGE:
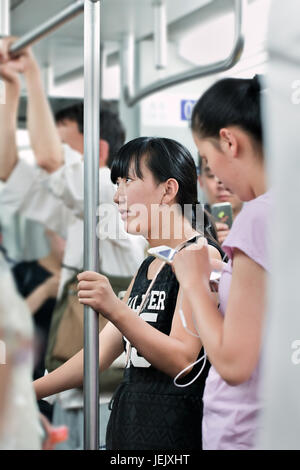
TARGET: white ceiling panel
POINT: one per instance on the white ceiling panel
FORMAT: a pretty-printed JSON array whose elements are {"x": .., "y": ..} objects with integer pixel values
[
  {"x": 63, "y": 48},
  {"x": 117, "y": 16}
]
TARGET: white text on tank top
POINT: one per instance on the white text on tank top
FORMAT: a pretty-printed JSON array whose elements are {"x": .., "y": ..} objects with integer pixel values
[{"x": 156, "y": 301}]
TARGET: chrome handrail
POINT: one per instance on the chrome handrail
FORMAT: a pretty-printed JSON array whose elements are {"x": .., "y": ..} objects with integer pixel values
[
  {"x": 47, "y": 27},
  {"x": 131, "y": 97}
]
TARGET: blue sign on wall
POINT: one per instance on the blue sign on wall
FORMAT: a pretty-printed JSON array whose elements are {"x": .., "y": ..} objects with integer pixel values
[{"x": 187, "y": 109}]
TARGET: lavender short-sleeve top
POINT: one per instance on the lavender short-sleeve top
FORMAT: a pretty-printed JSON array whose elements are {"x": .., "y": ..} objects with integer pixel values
[{"x": 230, "y": 412}]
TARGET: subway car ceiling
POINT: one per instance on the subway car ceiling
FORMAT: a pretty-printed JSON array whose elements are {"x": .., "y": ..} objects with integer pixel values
[{"x": 60, "y": 53}]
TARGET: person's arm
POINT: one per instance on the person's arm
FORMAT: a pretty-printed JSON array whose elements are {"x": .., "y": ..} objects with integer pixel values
[
  {"x": 70, "y": 374},
  {"x": 44, "y": 138},
  {"x": 43, "y": 134},
  {"x": 46, "y": 290},
  {"x": 26, "y": 191},
  {"x": 8, "y": 116},
  {"x": 232, "y": 342},
  {"x": 169, "y": 353}
]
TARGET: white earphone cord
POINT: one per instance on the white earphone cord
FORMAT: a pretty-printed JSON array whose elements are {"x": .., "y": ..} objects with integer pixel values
[
  {"x": 196, "y": 336},
  {"x": 184, "y": 324},
  {"x": 200, "y": 358}
]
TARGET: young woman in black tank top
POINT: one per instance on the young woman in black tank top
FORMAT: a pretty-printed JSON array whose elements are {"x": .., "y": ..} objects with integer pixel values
[{"x": 157, "y": 198}]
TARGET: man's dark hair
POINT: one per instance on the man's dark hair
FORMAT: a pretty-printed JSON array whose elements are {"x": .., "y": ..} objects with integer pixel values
[
  {"x": 72, "y": 113},
  {"x": 111, "y": 128}
]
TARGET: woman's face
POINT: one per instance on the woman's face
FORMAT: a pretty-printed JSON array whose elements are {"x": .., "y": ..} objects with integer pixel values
[
  {"x": 215, "y": 191},
  {"x": 138, "y": 200},
  {"x": 219, "y": 163}
]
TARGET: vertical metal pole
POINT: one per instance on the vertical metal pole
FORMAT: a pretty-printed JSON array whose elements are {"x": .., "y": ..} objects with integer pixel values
[
  {"x": 102, "y": 56},
  {"x": 4, "y": 31},
  {"x": 130, "y": 79},
  {"x": 160, "y": 34},
  {"x": 4, "y": 18},
  {"x": 91, "y": 200},
  {"x": 128, "y": 63}
]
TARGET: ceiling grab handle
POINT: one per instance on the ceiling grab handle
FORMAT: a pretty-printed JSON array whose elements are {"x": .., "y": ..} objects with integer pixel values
[
  {"x": 4, "y": 18},
  {"x": 47, "y": 27},
  {"x": 160, "y": 34},
  {"x": 131, "y": 97}
]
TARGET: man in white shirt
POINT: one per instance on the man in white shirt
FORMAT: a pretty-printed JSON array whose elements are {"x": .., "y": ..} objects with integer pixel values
[
  {"x": 42, "y": 197},
  {"x": 52, "y": 193}
]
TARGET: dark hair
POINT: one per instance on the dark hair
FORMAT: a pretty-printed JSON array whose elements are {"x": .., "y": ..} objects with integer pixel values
[
  {"x": 111, "y": 128},
  {"x": 113, "y": 131},
  {"x": 229, "y": 102},
  {"x": 166, "y": 159},
  {"x": 71, "y": 113}
]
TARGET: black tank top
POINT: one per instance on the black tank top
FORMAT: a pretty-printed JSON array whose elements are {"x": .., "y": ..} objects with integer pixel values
[{"x": 149, "y": 412}]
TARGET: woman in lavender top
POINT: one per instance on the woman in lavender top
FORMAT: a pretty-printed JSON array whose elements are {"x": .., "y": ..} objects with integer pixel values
[{"x": 227, "y": 130}]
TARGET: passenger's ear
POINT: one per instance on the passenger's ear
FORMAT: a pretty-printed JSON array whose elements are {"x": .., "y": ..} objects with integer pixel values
[
  {"x": 200, "y": 179},
  {"x": 228, "y": 142},
  {"x": 104, "y": 152},
  {"x": 170, "y": 191}
]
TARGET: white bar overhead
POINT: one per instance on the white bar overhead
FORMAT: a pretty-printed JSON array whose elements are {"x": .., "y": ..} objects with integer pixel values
[
  {"x": 48, "y": 26},
  {"x": 160, "y": 34},
  {"x": 4, "y": 18}
]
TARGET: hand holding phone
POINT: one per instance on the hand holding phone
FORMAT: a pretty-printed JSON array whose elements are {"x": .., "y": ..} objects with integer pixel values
[
  {"x": 222, "y": 232},
  {"x": 222, "y": 213}
]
